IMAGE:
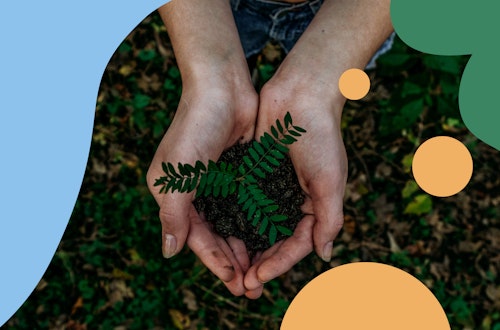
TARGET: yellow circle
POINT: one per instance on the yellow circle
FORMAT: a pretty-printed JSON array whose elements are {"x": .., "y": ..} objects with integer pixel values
[
  {"x": 354, "y": 84},
  {"x": 365, "y": 295},
  {"x": 442, "y": 166}
]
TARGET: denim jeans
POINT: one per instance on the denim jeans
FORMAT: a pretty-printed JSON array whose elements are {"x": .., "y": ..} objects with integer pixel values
[{"x": 261, "y": 21}]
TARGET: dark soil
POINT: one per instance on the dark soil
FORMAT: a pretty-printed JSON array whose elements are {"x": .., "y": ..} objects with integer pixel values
[{"x": 226, "y": 215}]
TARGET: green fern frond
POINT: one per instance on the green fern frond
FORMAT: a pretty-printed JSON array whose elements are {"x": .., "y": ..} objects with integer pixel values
[{"x": 222, "y": 179}]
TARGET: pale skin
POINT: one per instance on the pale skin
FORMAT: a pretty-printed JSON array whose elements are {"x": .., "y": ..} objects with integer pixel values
[{"x": 219, "y": 107}]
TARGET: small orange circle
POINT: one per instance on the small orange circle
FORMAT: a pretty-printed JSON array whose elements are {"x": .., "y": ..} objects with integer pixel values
[
  {"x": 442, "y": 166},
  {"x": 354, "y": 84}
]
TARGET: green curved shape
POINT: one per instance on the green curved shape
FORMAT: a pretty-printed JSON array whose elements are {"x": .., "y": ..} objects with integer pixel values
[{"x": 451, "y": 27}]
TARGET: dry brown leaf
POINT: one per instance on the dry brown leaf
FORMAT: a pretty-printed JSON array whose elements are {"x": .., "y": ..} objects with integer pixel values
[
  {"x": 393, "y": 245},
  {"x": 190, "y": 300},
  {"x": 493, "y": 292},
  {"x": 349, "y": 224},
  {"x": 180, "y": 320},
  {"x": 77, "y": 305},
  {"x": 118, "y": 290},
  {"x": 271, "y": 52}
]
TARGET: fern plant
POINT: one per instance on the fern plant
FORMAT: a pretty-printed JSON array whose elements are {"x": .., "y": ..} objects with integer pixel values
[{"x": 222, "y": 179}]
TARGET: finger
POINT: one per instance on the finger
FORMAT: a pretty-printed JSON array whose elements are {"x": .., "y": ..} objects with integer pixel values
[
  {"x": 329, "y": 221},
  {"x": 252, "y": 281},
  {"x": 256, "y": 293},
  {"x": 240, "y": 252},
  {"x": 280, "y": 258},
  {"x": 235, "y": 285},
  {"x": 174, "y": 217},
  {"x": 204, "y": 244}
]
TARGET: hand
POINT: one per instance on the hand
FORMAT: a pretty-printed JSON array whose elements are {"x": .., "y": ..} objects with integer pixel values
[
  {"x": 320, "y": 162},
  {"x": 210, "y": 118}
]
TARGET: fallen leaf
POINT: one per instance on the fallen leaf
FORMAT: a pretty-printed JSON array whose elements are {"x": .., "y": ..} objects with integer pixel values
[{"x": 180, "y": 320}]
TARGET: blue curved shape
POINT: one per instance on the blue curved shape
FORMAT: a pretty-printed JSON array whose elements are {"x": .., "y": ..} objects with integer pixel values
[{"x": 51, "y": 62}]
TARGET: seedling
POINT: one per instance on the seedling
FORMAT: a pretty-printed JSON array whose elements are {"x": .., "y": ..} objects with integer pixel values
[{"x": 222, "y": 179}]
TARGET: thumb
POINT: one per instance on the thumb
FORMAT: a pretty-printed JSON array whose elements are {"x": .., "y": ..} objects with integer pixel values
[
  {"x": 329, "y": 221},
  {"x": 174, "y": 213},
  {"x": 174, "y": 217}
]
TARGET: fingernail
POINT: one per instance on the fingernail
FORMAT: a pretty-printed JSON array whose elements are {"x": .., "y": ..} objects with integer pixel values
[
  {"x": 170, "y": 246},
  {"x": 327, "y": 251}
]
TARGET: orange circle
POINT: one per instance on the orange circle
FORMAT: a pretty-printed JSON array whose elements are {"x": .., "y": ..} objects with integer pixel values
[
  {"x": 442, "y": 166},
  {"x": 365, "y": 295},
  {"x": 354, "y": 84}
]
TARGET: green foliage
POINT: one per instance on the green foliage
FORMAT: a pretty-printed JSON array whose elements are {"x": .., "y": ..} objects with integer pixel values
[{"x": 222, "y": 179}]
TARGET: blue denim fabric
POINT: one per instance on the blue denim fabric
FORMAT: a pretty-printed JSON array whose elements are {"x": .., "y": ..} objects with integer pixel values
[{"x": 261, "y": 21}]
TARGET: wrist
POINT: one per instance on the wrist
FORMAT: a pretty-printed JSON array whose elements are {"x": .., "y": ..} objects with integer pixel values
[{"x": 305, "y": 91}]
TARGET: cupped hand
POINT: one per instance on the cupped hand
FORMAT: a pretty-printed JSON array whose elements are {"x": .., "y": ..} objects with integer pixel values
[
  {"x": 209, "y": 119},
  {"x": 320, "y": 161}
]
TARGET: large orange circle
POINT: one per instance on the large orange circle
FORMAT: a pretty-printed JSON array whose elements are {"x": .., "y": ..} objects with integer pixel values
[{"x": 365, "y": 295}]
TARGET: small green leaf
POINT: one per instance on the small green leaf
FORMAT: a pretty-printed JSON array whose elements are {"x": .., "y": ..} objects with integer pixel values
[
  {"x": 266, "y": 167},
  {"x": 274, "y": 132},
  {"x": 277, "y": 154},
  {"x": 164, "y": 167},
  {"x": 258, "y": 147},
  {"x": 421, "y": 204},
  {"x": 159, "y": 181},
  {"x": 194, "y": 182},
  {"x": 216, "y": 191},
  {"x": 218, "y": 178},
  {"x": 284, "y": 230},
  {"x": 200, "y": 166},
  {"x": 256, "y": 217},
  {"x": 186, "y": 185},
  {"x": 263, "y": 225},
  {"x": 247, "y": 204},
  {"x": 208, "y": 190},
  {"x": 254, "y": 154},
  {"x": 212, "y": 166},
  {"x": 288, "y": 140},
  {"x": 225, "y": 191},
  {"x": 270, "y": 208},
  {"x": 272, "y": 235},
  {"x": 242, "y": 198},
  {"x": 241, "y": 169},
  {"x": 294, "y": 133},
  {"x": 182, "y": 170},
  {"x": 280, "y": 127},
  {"x": 177, "y": 185},
  {"x": 232, "y": 187},
  {"x": 170, "y": 185},
  {"x": 251, "y": 211},
  {"x": 278, "y": 218},
  {"x": 171, "y": 170},
  {"x": 259, "y": 173},
  {"x": 264, "y": 202},
  {"x": 272, "y": 160},
  {"x": 247, "y": 161},
  {"x": 410, "y": 187},
  {"x": 190, "y": 169},
  {"x": 267, "y": 140},
  {"x": 211, "y": 178},
  {"x": 250, "y": 179},
  {"x": 299, "y": 129},
  {"x": 288, "y": 119},
  {"x": 203, "y": 182},
  {"x": 281, "y": 148}
]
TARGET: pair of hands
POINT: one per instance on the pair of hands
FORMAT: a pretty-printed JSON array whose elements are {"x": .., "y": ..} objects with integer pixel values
[{"x": 213, "y": 116}]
